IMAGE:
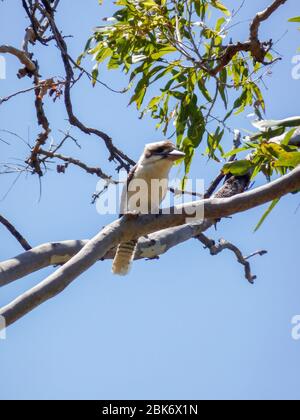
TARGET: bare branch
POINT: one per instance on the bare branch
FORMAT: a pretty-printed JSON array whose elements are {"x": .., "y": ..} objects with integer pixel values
[
  {"x": 216, "y": 249},
  {"x": 15, "y": 233},
  {"x": 7, "y": 98},
  {"x": 23, "y": 58},
  {"x": 33, "y": 160},
  {"x": 257, "y": 49},
  {"x": 115, "y": 154},
  {"x": 214, "y": 185},
  {"x": 263, "y": 16},
  {"x": 42, "y": 18},
  {"x": 44, "y": 85},
  {"x": 76, "y": 162},
  {"x": 257, "y": 253}
]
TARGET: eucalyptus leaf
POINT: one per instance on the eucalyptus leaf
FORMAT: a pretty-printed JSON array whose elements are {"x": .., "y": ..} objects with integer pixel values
[
  {"x": 239, "y": 167},
  {"x": 266, "y": 214}
]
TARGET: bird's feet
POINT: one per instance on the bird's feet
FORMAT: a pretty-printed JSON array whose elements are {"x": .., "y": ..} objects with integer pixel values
[{"x": 132, "y": 215}]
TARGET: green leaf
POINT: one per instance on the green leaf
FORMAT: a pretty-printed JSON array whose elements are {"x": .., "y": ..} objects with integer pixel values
[
  {"x": 295, "y": 19},
  {"x": 189, "y": 150},
  {"x": 268, "y": 134},
  {"x": 222, "y": 87},
  {"x": 162, "y": 52},
  {"x": 288, "y": 136},
  {"x": 238, "y": 168},
  {"x": 219, "y": 24},
  {"x": 95, "y": 73},
  {"x": 139, "y": 41},
  {"x": 103, "y": 54},
  {"x": 235, "y": 152},
  {"x": 257, "y": 169},
  {"x": 204, "y": 90},
  {"x": 140, "y": 92},
  {"x": 114, "y": 63},
  {"x": 267, "y": 213},
  {"x": 149, "y": 3},
  {"x": 218, "y": 5},
  {"x": 288, "y": 160},
  {"x": 213, "y": 141}
]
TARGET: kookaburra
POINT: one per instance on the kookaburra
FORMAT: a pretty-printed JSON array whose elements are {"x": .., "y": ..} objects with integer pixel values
[{"x": 145, "y": 189}]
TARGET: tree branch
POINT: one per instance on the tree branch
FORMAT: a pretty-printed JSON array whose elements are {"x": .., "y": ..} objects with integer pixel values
[
  {"x": 214, "y": 185},
  {"x": 257, "y": 49},
  {"x": 263, "y": 16},
  {"x": 130, "y": 227},
  {"x": 22, "y": 56},
  {"x": 76, "y": 162},
  {"x": 58, "y": 253},
  {"x": 115, "y": 154},
  {"x": 17, "y": 235},
  {"x": 216, "y": 249}
]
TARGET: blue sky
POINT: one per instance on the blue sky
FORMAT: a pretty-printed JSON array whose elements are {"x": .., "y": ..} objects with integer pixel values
[{"x": 185, "y": 327}]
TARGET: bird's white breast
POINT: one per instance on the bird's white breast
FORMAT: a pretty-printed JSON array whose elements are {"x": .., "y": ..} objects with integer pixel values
[{"x": 148, "y": 187}]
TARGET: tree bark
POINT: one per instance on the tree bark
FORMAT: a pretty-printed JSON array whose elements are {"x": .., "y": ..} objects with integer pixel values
[{"x": 129, "y": 228}]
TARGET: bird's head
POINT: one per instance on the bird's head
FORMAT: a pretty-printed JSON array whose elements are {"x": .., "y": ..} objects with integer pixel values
[{"x": 162, "y": 151}]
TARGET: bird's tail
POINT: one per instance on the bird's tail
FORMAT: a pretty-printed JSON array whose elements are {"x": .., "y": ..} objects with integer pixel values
[{"x": 124, "y": 257}]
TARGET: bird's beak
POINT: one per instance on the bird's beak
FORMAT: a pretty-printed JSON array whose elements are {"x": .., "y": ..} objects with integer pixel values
[{"x": 175, "y": 155}]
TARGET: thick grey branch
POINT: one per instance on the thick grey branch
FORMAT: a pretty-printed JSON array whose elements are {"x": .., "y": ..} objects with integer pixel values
[
  {"x": 129, "y": 228},
  {"x": 59, "y": 253}
]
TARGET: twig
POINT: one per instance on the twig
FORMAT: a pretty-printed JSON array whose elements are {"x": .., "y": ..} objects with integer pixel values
[
  {"x": 33, "y": 160},
  {"x": 255, "y": 254},
  {"x": 41, "y": 85},
  {"x": 214, "y": 185},
  {"x": 66, "y": 137},
  {"x": 91, "y": 77},
  {"x": 23, "y": 57},
  {"x": 7, "y": 98},
  {"x": 216, "y": 249},
  {"x": 177, "y": 191},
  {"x": 115, "y": 154},
  {"x": 17, "y": 235},
  {"x": 263, "y": 16},
  {"x": 76, "y": 162},
  {"x": 257, "y": 49}
]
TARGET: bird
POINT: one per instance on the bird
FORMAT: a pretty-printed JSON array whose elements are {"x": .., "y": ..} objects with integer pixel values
[{"x": 145, "y": 189}]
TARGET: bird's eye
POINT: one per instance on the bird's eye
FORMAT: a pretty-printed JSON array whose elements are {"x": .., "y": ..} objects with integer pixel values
[{"x": 160, "y": 150}]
